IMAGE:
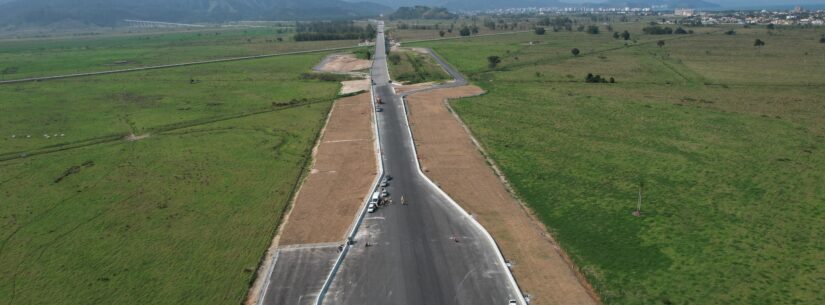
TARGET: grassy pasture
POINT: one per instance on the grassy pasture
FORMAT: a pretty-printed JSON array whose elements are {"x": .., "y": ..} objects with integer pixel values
[
  {"x": 182, "y": 216},
  {"x": 415, "y": 67},
  {"x": 728, "y": 140},
  {"x": 54, "y": 56}
]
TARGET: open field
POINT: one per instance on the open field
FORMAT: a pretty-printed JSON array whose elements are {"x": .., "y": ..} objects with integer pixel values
[
  {"x": 412, "y": 67},
  {"x": 52, "y": 56},
  {"x": 727, "y": 139},
  {"x": 180, "y": 214},
  {"x": 449, "y": 157}
]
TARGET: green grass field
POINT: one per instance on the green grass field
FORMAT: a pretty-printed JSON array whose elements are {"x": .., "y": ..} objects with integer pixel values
[
  {"x": 414, "y": 67},
  {"x": 23, "y": 58},
  {"x": 728, "y": 140},
  {"x": 182, "y": 216}
]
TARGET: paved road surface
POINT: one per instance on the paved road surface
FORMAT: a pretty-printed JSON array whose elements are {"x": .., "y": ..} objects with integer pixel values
[
  {"x": 425, "y": 252},
  {"x": 298, "y": 274}
]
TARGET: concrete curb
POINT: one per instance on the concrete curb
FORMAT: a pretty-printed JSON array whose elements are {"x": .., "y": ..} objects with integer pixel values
[
  {"x": 514, "y": 285},
  {"x": 363, "y": 211}
]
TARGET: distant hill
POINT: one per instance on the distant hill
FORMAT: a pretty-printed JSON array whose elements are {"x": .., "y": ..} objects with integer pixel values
[
  {"x": 421, "y": 12},
  {"x": 473, "y": 5},
  {"x": 110, "y": 12},
  {"x": 670, "y": 4},
  {"x": 476, "y": 5}
]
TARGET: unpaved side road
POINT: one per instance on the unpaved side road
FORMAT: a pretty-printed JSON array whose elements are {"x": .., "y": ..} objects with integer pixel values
[
  {"x": 343, "y": 170},
  {"x": 449, "y": 157}
]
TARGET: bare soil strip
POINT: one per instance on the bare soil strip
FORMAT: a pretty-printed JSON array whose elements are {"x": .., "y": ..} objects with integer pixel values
[
  {"x": 342, "y": 63},
  {"x": 343, "y": 170},
  {"x": 449, "y": 157}
]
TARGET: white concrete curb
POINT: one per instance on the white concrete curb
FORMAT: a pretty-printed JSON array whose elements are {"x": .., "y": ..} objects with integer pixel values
[
  {"x": 519, "y": 295},
  {"x": 359, "y": 218},
  {"x": 268, "y": 277}
]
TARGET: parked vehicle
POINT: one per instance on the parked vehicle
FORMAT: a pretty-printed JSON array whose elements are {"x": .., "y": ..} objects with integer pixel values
[{"x": 371, "y": 208}]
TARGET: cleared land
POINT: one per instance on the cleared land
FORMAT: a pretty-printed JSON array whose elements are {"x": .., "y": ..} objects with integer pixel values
[
  {"x": 414, "y": 67},
  {"x": 344, "y": 166},
  {"x": 727, "y": 139},
  {"x": 343, "y": 63},
  {"x": 23, "y": 58},
  {"x": 449, "y": 157},
  {"x": 182, "y": 213}
]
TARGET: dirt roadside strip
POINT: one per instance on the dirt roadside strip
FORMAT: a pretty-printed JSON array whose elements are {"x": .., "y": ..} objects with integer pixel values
[
  {"x": 450, "y": 158},
  {"x": 343, "y": 168}
]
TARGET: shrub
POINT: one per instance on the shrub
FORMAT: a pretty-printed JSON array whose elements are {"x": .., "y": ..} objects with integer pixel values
[{"x": 592, "y": 29}]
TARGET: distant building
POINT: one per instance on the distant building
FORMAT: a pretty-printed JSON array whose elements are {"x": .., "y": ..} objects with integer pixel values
[
  {"x": 798, "y": 9},
  {"x": 687, "y": 12}
]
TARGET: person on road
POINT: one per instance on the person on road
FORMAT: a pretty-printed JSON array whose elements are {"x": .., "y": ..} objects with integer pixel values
[{"x": 403, "y": 201}]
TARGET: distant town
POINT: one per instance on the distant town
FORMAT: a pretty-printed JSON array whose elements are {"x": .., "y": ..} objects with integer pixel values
[{"x": 796, "y": 16}]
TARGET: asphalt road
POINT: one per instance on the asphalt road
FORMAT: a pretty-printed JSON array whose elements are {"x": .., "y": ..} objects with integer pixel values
[
  {"x": 298, "y": 274},
  {"x": 427, "y": 251}
]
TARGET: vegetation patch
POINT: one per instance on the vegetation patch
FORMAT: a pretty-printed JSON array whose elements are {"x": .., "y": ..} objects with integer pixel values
[
  {"x": 91, "y": 213},
  {"x": 724, "y": 139},
  {"x": 415, "y": 67}
]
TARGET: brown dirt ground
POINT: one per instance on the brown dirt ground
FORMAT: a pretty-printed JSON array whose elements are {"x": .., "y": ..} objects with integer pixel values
[
  {"x": 352, "y": 86},
  {"x": 343, "y": 63},
  {"x": 449, "y": 156},
  {"x": 340, "y": 177}
]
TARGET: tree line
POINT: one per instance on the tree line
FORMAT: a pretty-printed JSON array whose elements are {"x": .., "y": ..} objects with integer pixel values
[{"x": 332, "y": 30}]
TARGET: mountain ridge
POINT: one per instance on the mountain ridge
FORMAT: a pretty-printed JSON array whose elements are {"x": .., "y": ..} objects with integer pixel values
[{"x": 111, "y": 12}]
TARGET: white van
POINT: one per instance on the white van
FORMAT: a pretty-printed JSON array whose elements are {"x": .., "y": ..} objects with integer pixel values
[{"x": 373, "y": 203}]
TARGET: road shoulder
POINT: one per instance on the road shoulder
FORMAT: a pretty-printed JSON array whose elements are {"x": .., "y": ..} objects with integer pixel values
[{"x": 451, "y": 159}]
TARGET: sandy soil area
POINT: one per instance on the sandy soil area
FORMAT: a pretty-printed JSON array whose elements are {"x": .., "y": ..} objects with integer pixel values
[
  {"x": 340, "y": 177},
  {"x": 411, "y": 87},
  {"x": 342, "y": 63},
  {"x": 450, "y": 157},
  {"x": 352, "y": 86}
]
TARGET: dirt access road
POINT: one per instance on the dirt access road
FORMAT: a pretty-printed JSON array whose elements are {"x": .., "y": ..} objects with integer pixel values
[{"x": 449, "y": 157}]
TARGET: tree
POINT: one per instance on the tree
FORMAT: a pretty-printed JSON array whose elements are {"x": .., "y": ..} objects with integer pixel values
[
  {"x": 609, "y": 28},
  {"x": 369, "y": 55},
  {"x": 616, "y": 35},
  {"x": 680, "y": 31},
  {"x": 540, "y": 31},
  {"x": 822, "y": 40},
  {"x": 660, "y": 43},
  {"x": 592, "y": 29},
  {"x": 771, "y": 26},
  {"x": 493, "y": 61},
  {"x": 474, "y": 29},
  {"x": 758, "y": 43},
  {"x": 575, "y": 51},
  {"x": 441, "y": 33},
  {"x": 465, "y": 31},
  {"x": 626, "y": 35}
]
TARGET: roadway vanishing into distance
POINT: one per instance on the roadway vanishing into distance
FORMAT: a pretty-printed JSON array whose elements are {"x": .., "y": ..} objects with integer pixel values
[{"x": 427, "y": 251}]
